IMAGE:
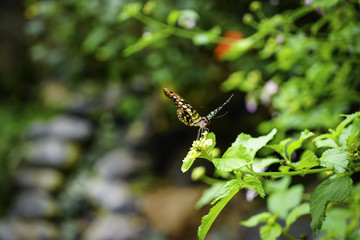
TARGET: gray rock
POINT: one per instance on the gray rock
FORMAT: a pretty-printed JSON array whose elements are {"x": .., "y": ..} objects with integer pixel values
[
  {"x": 35, "y": 204},
  {"x": 67, "y": 128},
  {"x": 112, "y": 196},
  {"x": 51, "y": 152},
  {"x": 120, "y": 164},
  {"x": 116, "y": 227},
  {"x": 70, "y": 128},
  {"x": 17, "y": 229},
  {"x": 42, "y": 178}
]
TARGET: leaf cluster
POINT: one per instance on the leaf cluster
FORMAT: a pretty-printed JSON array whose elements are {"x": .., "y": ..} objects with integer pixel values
[{"x": 240, "y": 168}]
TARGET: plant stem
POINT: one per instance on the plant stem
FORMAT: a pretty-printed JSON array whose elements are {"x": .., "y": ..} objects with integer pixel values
[{"x": 280, "y": 174}]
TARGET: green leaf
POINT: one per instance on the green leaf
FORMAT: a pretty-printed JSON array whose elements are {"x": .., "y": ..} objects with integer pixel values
[
  {"x": 297, "y": 212},
  {"x": 239, "y": 47},
  {"x": 270, "y": 231},
  {"x": 327, "y": 142},
  {"x": 187, "y": 164},
  {"x": 308, "y": 160},
  {"x": 297, "y": 144},
  {"x": 256, "y": 219},
  {"x": 335, "y": 158},
  {"x": 129, "y": 10},
  {"x": 209, "y": 194},
  {"x": 173, "y": 17},
  {"x": 260, "y": 164},
  {"x": 208, "y": 220},
  {"x": 354, "y": 235},
  {"x": 235, "y": 157},
  {"x": 283, "y": 201},
  {"x": 253, "y": 144},
  {"x": 277, "y": 185},
  {"x": 331, "y": 190},
  {"x": 280, "y": 148},
  {"x": 324, "y": 3},
  {"x": 336, "y": 223},
  {"x": 95, "y": 38},
  {"x": 236, "y": 80},
  {"x": 349, "y": 118},
  {"x": 254, "y": 183},
  {"x": 227, "y": 189}
]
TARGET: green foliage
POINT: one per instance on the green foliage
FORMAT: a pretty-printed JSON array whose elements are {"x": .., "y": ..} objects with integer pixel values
[{"x": 284, "y": 201}]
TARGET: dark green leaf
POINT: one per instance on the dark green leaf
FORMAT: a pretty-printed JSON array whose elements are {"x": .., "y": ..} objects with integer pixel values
[{"x": 331, "y": 190}]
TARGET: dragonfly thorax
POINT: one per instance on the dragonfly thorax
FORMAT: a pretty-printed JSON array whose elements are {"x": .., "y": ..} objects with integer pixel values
[{"x": 202, "y": 122}]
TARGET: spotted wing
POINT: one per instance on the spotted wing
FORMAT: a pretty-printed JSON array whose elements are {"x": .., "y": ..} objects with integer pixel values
[{"x": 186, "y": 113}]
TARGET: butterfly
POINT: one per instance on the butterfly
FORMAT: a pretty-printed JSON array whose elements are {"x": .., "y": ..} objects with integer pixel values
[{"x": 188, "y": 115}]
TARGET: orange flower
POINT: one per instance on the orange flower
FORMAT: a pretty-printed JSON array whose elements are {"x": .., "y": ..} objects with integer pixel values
[{"x": 224, "y": 45}]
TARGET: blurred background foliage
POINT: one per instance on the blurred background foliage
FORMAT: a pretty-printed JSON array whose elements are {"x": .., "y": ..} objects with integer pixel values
[
  {"x": 295, "y": 63},
  {"x": 298, "y": 59}
]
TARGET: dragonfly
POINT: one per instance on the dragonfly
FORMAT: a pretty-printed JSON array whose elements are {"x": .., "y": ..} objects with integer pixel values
[{"x": 188, "y": 115}]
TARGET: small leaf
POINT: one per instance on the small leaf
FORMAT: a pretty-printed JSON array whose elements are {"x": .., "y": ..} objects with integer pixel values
[
  {"x": 336, "y": 159},
  {"x": 283, "y": 201},
  {"x": 228, "y": 188},
  {"x": 209, "y": 194},
  {"x": 208, "y": 220},
  {"x": 260, "y": 164},
  {"x": 253, "y": 144},
  {"x": 173, "y": 17},
  {"x": 235, "y": 157},
  {"x": 335, "y": 189},
  {"x": 297, "y": 212},
  {"x": 229, "y": 164},
  {"x": 270, "y": 231},
  {"x": 297, "y": 144},
  {"x": 254, "y": 183},
  {"x": 187, "y": 164},
  {"x": 280, "y": 148},
  {"x": 349, "y": 118},
  {"x": 328, "y": 143},
  {"x": 308, "y": 160},
  {"x": 336, "y": 223},
  {"x": 239, "y": 47},
  {"x": 256, "y": 219},
  {"x": 278, "y": 185}
]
